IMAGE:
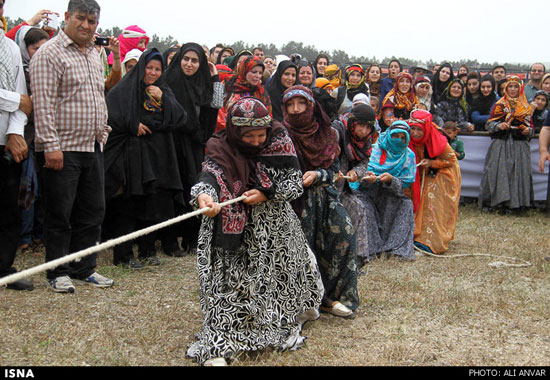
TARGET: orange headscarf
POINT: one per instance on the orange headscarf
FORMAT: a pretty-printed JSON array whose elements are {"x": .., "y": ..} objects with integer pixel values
[
  {"x": 509, "y": 108},
  {"x": 400, "y": 100}
]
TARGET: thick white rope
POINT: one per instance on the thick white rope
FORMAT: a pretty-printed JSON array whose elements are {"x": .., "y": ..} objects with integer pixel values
[
  {"x": 496, "y": 264},
  {"x": 106, "y": 245}
]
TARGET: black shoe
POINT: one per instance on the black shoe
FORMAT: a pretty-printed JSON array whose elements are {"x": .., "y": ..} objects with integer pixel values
[
  {"x": 175, "y": 253},
  {"x": 21, "y": 285},
  {"x": 150, "y": 261},
  {"x": 130, "y": 264}
]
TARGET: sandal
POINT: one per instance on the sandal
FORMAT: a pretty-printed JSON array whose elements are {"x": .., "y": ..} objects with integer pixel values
[{"x": 338, "y": 309}]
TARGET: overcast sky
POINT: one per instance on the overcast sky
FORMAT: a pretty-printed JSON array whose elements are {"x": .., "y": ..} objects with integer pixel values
[{"x": 487, "y": 30}]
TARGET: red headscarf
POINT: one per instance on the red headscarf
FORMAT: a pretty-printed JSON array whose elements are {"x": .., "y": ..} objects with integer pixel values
[{"x": 433, "y": 140}]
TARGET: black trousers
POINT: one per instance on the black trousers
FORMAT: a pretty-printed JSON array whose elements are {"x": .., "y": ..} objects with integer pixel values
[
  {"x": 74, "y": 208},
  {"x": 10, "y": 219}
]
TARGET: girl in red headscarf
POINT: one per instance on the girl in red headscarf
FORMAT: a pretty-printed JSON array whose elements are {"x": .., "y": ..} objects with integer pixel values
[
  {"x": 247, "y": 81},
  {"x": 436, "y": 190}
]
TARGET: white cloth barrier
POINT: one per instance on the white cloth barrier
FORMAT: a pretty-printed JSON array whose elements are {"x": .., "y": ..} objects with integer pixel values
[{"x": 471, "y": 166}]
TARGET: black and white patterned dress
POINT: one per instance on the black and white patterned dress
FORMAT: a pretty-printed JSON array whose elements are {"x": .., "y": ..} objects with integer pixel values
[{"x": 252, "y": 297}]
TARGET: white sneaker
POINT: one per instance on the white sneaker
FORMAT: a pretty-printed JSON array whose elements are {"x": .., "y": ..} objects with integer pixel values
[
  {"x": 62, "y": 284},
  {"x": 99, "y": 281},
  {"x": 215, "y": 362}
]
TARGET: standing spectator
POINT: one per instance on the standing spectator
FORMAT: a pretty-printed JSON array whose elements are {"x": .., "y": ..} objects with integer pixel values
[
  {"x": 507, "y": 181},
  {"x": 320, "y": 64},
  {"x": 15, "y": 106},
  {"x": 71, "y": 127},
  {"x": 544, "y": 144},
  {"x": 536, "y": 72},
  {"x": 499, "y": 73},
  {"x": 214, "y": 51},
  {"x": 480, "y": 107},
  {"x": 394, "y": 68},
  {"x": 259, "y": 52},
  {"x": 441, "y": 80}
]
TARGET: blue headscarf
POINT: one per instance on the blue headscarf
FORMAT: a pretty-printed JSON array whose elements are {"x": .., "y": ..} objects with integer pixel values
[{"x": 393, "y": 156}]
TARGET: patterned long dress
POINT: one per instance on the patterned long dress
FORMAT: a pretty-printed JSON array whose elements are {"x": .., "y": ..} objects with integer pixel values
[
  {"x": 251, "y": 298},
  {"x": 330, "y": 233},
  {"x": 435, "y": 219},
  {"x": 507, "y": 179}
]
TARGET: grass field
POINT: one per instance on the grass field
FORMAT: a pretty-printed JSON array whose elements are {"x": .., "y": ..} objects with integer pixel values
[{"x": 454, "y": 310}]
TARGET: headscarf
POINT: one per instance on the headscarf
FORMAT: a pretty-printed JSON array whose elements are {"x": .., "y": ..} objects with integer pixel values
[
  {"x": 128, "y": 40},
  {"x": 393, "y": 156},
  {"x": 191, "y": 91},
  {"x": 360, "y": 87},
  {"x": 439, "y": 86},
  {"x": 510, "y": 109},
  {"x": 313, "y": 77},
  {"x": 427, "y": 100},
  {"x": 132, "y": 54},
  {"x": 239, "y": 84},
  {"x": 276, "y": 89},
  {"x": 433, "y": 141},
  {"x": 356, "y": 148},
  {"x": 219, "y": 59},
  {"x": 374, "y": 87},
  {"x": 462, "y": 100},
  {"x": 482, "y": 103},
  {"x": 315, "y": 140},
  {"x": 20, "y": 41},
  {"x": 401, "y": 101},
  {"x": 318, "y": 74},
  {"x": 243, "y": 165},
  {"x": 129, "y": 104},
  {"x": 333, "y": 74},
  {"x": 170, "y": 50},
  {"x": 235, "y": 60}
]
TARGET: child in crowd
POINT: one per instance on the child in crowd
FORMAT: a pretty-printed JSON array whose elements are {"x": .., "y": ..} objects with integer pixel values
[{"x": 451, "y": 128}]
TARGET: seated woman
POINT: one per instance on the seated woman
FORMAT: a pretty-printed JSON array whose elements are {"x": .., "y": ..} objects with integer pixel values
[
  {"x": 480, "y": 108},
  {"x": 389, "y": 215},
  {"x": 285, "y": 77},
  {"x": 142, "y": 184},
  {"x": 326, "y": 224},
  {"x": 354, "y": 83},
  {"x": 259, "y": 282},
  {"x": 356, "y": 134},
  {"x": 436, "y": 190},
  {"x": 246, "y": 83},
  {"x": 507, "y": 180},
  {"x": 401, "y": 97},
  {"x": 453, "y": 106}
]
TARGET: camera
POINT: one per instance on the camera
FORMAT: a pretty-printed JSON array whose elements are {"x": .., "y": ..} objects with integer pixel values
[{"x": 102, "y": 41}]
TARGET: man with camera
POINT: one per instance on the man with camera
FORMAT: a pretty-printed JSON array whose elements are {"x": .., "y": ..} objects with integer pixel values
[
  {"x": 67, "y": 82},
  {"x": 15, "y": 106}
]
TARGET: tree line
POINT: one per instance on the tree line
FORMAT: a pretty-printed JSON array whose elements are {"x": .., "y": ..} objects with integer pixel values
[{"x": 309, "y": 52}]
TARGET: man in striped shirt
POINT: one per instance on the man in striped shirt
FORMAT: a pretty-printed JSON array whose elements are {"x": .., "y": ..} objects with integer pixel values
[{"x": 67, "y": 83}]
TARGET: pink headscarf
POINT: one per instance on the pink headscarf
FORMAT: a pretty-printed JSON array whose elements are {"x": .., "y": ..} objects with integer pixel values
[{"x": 129, "y": 39}]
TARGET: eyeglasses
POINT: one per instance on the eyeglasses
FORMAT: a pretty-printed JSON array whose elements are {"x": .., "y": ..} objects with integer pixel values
[{"x": 537, "y": 71}]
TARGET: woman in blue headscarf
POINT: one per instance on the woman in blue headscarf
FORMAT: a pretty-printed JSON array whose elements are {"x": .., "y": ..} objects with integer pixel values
[{"x": 392, "y": 168}]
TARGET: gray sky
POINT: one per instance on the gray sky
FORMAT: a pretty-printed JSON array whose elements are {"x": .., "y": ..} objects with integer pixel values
[{"x": 486, "y": 30}]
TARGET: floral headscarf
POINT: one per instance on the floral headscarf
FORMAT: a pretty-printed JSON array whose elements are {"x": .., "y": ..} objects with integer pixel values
[{"x": 509, "y": 108}]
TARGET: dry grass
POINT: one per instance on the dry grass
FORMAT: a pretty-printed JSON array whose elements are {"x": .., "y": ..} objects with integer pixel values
[{"x": 434, "y": 311}]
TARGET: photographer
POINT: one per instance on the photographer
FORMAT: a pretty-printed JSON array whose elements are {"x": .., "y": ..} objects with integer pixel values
[{"x": 43, "y": 14}]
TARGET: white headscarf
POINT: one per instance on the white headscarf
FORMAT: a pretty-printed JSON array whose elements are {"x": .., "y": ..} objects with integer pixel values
[
  {"x": 7, "y": 69},
  {"x": 132, "y": 54}
]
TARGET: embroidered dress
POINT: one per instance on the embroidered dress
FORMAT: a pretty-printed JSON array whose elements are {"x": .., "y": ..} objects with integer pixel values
[
  {"x": 257, "y": 275},
  {"x": 325, "y": 221}
]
